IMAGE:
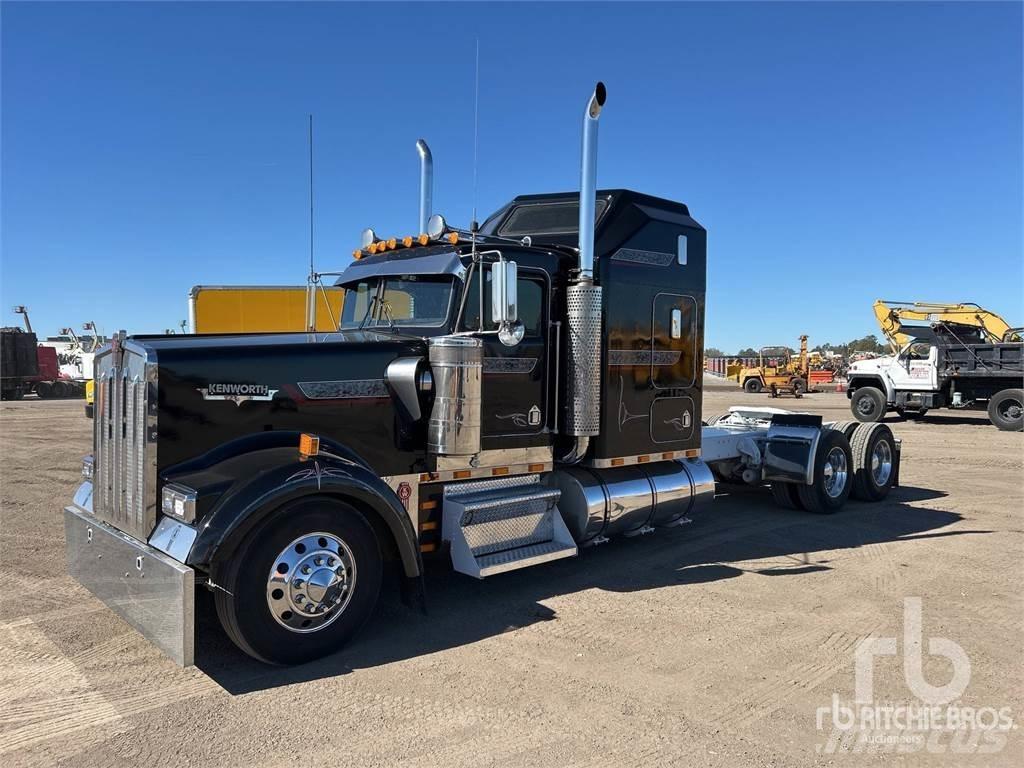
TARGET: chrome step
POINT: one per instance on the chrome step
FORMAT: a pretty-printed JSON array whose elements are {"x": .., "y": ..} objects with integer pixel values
[{"x": 504, "y": 524}]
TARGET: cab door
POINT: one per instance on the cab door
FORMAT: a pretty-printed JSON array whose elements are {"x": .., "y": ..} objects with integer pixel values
[
  {"x": 515, "y": 390},
  {"x": 916, "y": 368}
]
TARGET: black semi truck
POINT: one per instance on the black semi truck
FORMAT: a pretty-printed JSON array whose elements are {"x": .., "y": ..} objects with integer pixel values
[{"x": 503, "y": 396}]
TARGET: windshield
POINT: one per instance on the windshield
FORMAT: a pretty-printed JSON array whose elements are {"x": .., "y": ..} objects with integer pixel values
[{"x": 401, "y": 301}]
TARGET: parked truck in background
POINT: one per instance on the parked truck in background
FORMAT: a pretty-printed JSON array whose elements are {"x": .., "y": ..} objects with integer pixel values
[
  {"x": 39, "y": 367},
  {"x": 19, "y": 364},
  {"x": 506, "y": 396},
  {"x": 956, "y": 356}
]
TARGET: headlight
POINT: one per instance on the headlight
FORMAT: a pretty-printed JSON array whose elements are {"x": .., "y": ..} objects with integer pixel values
[
  {"x": 179, "y": 501},
  {"x": 87, "y": 467}
]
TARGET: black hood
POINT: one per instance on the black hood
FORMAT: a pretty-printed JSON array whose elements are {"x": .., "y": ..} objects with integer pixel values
[{"x": 214, "y": 390}]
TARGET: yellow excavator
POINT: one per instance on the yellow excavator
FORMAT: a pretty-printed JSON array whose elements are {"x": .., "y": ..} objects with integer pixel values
[{"x": 891, "y": 316}]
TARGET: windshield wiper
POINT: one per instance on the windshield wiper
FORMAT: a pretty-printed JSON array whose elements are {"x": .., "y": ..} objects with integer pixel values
[
  {"x": 369, "y": 309},
  {"x": 386, "y": 307}
]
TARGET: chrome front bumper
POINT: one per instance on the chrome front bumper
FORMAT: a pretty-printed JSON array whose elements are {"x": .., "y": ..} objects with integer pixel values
[{"x": 145, "y": 587}]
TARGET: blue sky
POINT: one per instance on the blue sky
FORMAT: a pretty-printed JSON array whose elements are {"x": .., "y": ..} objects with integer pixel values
[{"x": 837, "y": 153}]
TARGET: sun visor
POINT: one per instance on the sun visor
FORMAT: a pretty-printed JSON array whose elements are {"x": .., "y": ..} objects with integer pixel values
[{"x": 447, "y": 263}]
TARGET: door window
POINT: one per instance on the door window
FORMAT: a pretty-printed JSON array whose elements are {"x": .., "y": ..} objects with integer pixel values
[{"x": 531, "y": 304}]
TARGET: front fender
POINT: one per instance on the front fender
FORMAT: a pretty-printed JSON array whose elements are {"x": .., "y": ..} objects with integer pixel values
[
  {"x": 276, "y": 476},
  {"x": 855, "y": 381}
]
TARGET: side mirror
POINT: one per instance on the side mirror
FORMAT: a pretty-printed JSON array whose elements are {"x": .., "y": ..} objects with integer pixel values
[{"x": 505, "y": 302}]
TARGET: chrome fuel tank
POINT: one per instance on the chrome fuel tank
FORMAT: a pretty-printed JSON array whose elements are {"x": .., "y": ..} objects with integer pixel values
[{"x": 600, "y": 503}]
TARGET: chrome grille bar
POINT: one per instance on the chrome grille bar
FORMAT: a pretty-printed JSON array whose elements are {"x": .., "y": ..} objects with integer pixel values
[
  {"x": 124, "y": 492},
  {"x": 128, "y": 441}
]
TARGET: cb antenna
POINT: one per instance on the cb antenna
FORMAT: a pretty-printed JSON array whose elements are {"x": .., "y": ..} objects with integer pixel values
[
  {"x": 311, "y": 273},
  {"x": 476, "y": 134}
]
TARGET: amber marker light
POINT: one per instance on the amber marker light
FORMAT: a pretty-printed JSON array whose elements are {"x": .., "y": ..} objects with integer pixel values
[
  {"x": 453, "y": 238},
  {"x": 407, "y": 242},
  {"x": 423, "y": 239},
  {"x": 309, "y": 445},
  {"x": 392, "y": 244}
]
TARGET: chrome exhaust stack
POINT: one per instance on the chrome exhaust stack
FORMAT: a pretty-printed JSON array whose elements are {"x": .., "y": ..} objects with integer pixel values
[
  {"x": 426, "y": 183},
  {"x": 582, "y": 416},
  {"x": 588, "y": 180}
]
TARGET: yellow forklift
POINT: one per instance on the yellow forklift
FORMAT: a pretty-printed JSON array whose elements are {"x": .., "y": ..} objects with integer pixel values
[{"x": 777, "y": 371}]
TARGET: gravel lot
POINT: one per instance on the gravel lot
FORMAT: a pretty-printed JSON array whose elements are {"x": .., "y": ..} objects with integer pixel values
[{"x": 713, "y": 644}]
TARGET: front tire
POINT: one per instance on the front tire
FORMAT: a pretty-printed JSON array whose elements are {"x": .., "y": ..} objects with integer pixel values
[
  {"x": 302, "y": 584},
  {"x": 799, "y": 386},
  {"x": 1006, "y": 410},
  {"x": 833, "y": 475},
  {"x": 868, "y": 404},
  {"x": 752, "y": 386}
]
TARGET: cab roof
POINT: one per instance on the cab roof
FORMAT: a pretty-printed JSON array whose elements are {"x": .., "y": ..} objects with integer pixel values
[{"x": 554, "y": 218}]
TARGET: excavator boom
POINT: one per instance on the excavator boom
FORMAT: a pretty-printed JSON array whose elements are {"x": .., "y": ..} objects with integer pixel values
[{"x": 891, "y": 316}]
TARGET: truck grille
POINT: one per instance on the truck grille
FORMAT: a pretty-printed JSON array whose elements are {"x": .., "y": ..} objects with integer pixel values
[{"x": 124, "y": 440}]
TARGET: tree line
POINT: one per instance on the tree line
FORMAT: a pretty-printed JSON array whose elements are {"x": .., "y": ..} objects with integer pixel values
[{"x": 869, "y": 343}]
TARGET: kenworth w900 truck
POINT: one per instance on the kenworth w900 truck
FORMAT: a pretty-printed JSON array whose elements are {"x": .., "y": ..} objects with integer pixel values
[{"x": 505, "y": 396}]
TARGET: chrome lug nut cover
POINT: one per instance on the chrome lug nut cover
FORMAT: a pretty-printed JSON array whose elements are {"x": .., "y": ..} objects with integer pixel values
[
  {"x": 835, "y": 473},
  {"x": 312, "y": 601}
]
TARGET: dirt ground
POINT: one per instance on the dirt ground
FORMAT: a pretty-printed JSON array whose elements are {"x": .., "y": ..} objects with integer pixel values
[{"x": 713, "y": 644}]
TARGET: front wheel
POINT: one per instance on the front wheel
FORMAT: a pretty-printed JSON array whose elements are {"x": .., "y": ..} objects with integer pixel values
[
  {"x": 868, "y": 404},
  {"x": 1006, "y": 410},
  {"x": 753, "y": 386},
  {"x": 799, "y": 386},
  {"x": 302, "y": 584}
]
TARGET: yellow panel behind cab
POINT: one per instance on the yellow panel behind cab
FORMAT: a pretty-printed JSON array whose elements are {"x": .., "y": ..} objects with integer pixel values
[{"x": 261, "y": 308}]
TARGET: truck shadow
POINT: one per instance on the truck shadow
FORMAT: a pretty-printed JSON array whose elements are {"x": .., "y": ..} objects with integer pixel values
[
  {"x": 981, "y": 420},
  {"x": 744, "y": 536}
]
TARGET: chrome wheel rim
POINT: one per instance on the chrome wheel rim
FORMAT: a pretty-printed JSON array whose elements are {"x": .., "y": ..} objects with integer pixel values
[
  {"x": 835, "y": 472},
  {"x": 881, "y": 462},
  {"x": 311, "y": 582}
]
